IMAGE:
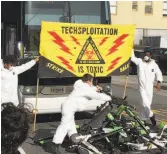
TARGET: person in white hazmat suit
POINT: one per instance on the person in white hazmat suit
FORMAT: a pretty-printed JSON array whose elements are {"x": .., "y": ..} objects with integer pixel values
[
  {"x": 76, "y": 101},
  {"x": 147, "y": 70},
  {"x": 9, "y": 78}
]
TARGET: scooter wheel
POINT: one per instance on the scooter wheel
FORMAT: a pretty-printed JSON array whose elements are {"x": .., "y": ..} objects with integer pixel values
[
  {"x": 116, "y": 151},
  {"x": 82, "y": 150}
]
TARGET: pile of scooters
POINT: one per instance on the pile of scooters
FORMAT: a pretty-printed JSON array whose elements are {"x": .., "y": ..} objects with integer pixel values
[{"x": 116, "y": 129}]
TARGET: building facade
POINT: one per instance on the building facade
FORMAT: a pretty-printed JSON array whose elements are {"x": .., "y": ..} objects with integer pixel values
[{"x": 150, "y": 17}]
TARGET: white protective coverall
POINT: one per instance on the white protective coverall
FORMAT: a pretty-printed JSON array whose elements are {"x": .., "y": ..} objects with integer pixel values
[
  {"x": 76, "y": 101},
  {"x": 146, "y": 76},
  {"x": 9, "y": 82}
]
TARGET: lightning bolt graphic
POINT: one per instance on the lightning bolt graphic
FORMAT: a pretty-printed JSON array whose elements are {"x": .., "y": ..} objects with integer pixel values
[
  {"x": 59, "y": 41},
  {"x": 75, "y": 40},
  {"x": 65, "y": 62},
  {"x": 113, "y": 63},
  {"x": 103, "y": 40},
  {"x": 118, "y": 42}
]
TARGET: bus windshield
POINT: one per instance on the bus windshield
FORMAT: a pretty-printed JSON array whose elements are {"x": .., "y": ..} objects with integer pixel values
[{"x": 91, "y": 12}]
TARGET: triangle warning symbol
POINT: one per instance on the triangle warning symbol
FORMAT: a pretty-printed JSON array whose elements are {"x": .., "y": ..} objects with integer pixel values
[{"x": 89, "y": 54}]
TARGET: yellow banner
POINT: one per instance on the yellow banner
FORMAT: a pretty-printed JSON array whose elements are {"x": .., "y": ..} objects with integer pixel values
[{"x": 86, "y": 48}]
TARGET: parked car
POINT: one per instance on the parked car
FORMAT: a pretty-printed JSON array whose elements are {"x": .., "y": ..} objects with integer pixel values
[
  {"x": 133, "y": 68},
  {"x": 160, "y": 55}
]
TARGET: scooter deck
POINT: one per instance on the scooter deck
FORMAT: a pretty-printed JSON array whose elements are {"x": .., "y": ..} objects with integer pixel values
[
  {"x": 43, "y": 134},
  {"x": 97, "y": 120}
]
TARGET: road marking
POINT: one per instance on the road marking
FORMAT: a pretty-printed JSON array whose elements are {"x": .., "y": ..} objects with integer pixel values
[
  {"x": 160, "y": 120},
  {"x": 165, "y": 111},
  {"x": 159, "y": 113}
]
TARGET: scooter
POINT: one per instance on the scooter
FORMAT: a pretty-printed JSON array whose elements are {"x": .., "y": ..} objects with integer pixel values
[
  {"x": 154, "y": 141},
  {"x": 97, "y": 135}
]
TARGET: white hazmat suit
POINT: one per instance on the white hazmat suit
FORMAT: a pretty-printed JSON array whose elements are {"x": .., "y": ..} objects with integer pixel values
[
  {"x": 9, "y": 82},
  {"x": 76, "y": 101},
  {"x": 146, "y": 76}
]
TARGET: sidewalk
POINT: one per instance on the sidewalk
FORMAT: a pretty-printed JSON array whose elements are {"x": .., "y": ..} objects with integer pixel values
[{"x": 133, "y": 81}]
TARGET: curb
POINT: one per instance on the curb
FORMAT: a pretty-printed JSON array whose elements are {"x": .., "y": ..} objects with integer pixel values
[{"x": 134, "y": 86}]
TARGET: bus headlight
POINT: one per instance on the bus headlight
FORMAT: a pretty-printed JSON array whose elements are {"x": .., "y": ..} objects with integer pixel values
[
  {"x": 106, "y": 86},
  {"x": 30, "y": 90}
]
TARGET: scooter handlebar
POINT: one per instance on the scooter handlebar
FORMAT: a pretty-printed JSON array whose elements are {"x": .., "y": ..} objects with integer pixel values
[{"x": 118, "y": 101}]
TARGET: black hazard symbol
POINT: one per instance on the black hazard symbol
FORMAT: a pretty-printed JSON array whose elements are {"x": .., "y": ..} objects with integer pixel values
[{"x": 89, "y": 60}]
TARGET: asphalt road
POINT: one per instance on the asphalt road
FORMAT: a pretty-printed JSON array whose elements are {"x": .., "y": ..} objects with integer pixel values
[{"x": 159, "y": 107}]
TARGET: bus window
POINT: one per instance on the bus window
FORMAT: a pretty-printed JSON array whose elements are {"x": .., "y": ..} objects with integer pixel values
[
  {"x": 35, "y": 13},
  {"x": 2, "y": 40},
  {"x": 93, "y": 12}
]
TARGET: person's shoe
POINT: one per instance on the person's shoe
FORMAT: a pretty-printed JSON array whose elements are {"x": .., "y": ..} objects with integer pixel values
[
  {"x": 153, "y": 121},
  {"x": 54, "y": 148}
]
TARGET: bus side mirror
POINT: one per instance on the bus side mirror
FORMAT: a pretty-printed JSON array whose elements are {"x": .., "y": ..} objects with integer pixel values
[
  {"x": 20, "y": 49},
  {"x": 64, "y": 19}
]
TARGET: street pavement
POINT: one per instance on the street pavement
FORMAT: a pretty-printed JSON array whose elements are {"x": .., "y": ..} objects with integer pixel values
[{"x": 159, "y": 107}]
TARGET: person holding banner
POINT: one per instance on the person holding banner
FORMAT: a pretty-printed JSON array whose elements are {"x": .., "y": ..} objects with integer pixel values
[
  {"x": 76, "y": 101},
  {"x": 147, "y": 70},
  {"x": 9, "y": 78}
]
